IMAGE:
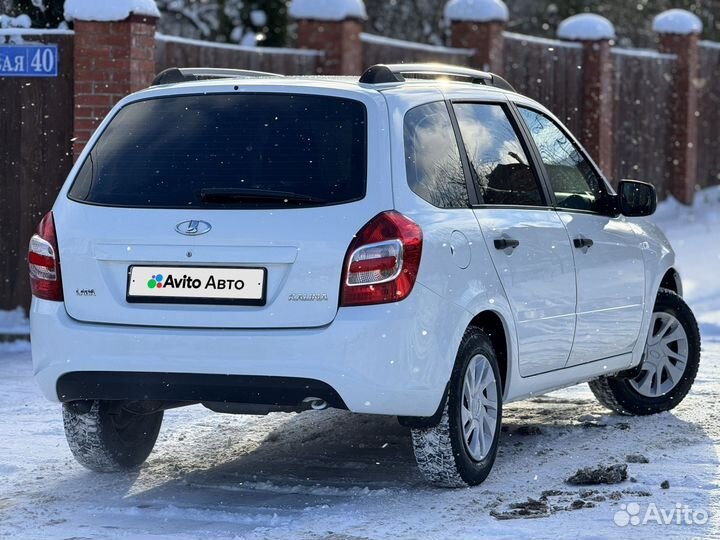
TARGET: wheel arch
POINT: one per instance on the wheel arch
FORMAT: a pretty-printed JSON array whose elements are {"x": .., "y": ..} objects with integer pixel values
[
  {"x": 496, "y": 327},
  {"x": 493, "y": 324},
  {"x": 671, "y": 280}
]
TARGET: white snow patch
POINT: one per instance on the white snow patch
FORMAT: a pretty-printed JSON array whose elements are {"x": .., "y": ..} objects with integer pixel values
[
  {"x": 21, "y": 21},
  {"x": 476, "y": 10},
  {"x": 248, "y": 40},
  {"x": 677, "y": 21},
  {"x": 258, "y": 17},
  {"x": 710, "y": 44},
  {"x": 586, "y": 27},
  {"x": 14, "y": 322},
  {"x": 14, "y": 347},
  {"x": 117, "y": 10},
  {"x": 401, "y": 43},
  {"x": 327, "y": 10}
]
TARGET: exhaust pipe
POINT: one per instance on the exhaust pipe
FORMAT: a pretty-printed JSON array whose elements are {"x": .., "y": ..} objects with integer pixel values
[{"x": 316, "y": 404}]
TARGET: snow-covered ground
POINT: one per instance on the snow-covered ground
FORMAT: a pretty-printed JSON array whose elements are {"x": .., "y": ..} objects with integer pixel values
[{"x": 332, "y": 475}]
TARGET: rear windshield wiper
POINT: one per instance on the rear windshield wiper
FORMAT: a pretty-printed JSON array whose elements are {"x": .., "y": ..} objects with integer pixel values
[{"x": 234, "y": 195}]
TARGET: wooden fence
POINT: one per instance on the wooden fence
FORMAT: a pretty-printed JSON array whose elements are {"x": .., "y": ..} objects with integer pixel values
[
  {"x": 173, "y": 51},
  {"x": 547, "y": 70},
  {"x": 642, "y": 93},
  {"x": 36, "y": 128},
  {"x": 382, "y": 50},
  {"x": 709, "y": 115}
]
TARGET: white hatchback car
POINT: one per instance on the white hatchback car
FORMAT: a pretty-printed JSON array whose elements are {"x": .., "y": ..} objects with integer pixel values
[{"x": 422, "y": 242}]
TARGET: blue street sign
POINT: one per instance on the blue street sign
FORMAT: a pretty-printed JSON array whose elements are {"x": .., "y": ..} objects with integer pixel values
[{"x": 29, "y": 60}]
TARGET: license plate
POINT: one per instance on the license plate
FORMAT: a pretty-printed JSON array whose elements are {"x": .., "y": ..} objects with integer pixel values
[{"x": 196, "y": 285}]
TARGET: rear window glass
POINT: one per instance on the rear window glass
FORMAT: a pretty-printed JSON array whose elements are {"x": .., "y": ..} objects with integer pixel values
[{"x": 239, "y": 150}]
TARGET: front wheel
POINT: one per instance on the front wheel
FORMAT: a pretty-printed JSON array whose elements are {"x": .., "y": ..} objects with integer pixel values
[
  {"x": 460, "y": 450},
  {"x": 669, "y": 366},
  {"x": 109, "y": 437}
]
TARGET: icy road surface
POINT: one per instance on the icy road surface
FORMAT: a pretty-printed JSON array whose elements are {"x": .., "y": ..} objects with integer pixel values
[{"x": 333, "y": 475}]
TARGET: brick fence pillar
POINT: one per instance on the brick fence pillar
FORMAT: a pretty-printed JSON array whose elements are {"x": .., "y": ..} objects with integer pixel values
[
  {"x": 112, "y": 59},
  {"x": 595, "y": 33},
  {"x": 678, "y": 33},
  {"x": 334, "y": 29},
  {"x": 479, "y": 25}
]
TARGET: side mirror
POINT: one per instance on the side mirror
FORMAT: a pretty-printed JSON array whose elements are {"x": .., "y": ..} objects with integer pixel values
[{"x": 636, "y": 198}]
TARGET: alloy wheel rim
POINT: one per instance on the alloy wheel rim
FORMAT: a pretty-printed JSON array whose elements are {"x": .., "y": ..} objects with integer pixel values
[
  {"x": 665, "y": 357},
  {"x": 479, "y": 407}
]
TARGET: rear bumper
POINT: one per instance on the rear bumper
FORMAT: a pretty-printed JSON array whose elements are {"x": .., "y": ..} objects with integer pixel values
[
  {"x": 193, "y": 387},
  {"x": 388, "y": 359}
]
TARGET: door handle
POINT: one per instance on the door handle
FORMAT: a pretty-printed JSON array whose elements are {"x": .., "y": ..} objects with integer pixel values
[
  {"x": 505, "y": 243},
  {"x": 581, "y": 242}
]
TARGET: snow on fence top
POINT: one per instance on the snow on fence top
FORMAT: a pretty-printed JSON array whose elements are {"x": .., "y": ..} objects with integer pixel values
[
  {"x": 327, "y": 10},
  {"x": 586, "y": 27},
  {"x": 708, "y": 44},
  {"x": 21, "y": 21},
  {"x": 233, "y": 47},
  {"x": 117, "y": 10},
  {"x": 677, "y": 21},
  {"x": 642, "y": 53},
  {"x": 546, "y": 42},
  {"x": 36, "y": 31},
  {"x": 476, "y": 10},
  {"x": 401, "y": 43}
]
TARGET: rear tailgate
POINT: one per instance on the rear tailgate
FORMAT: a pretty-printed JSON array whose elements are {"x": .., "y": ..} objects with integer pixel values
[{"x": 142, "y": 243}]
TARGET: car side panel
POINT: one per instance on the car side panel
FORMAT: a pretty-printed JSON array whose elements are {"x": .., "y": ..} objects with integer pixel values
[
  {"x": 659, "y": 257},
  {"x": 455, "y": 262}
]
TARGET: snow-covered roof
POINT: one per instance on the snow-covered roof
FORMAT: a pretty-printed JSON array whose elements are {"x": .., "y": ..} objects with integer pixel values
[
  {"x": 327, "y": 10},
  {"x": 586, "y": 27},
  {"x": 677, "y": 21},
  {"x": 116, "y": 10},
  {"x": 476, "y": 10}
]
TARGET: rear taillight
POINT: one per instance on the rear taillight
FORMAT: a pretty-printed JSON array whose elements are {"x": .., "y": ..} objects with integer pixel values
[
  {"x": 44, "y": 261},
  {"x": 382, "y": 261}
]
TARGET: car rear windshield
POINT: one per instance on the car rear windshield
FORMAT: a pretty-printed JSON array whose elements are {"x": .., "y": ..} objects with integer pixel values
[{"x": 229, "y": 150}]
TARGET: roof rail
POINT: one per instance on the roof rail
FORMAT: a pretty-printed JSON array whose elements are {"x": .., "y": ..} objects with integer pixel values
[
  {"x": 177, "y": 75},
  {"x": 395, "y": 73}
]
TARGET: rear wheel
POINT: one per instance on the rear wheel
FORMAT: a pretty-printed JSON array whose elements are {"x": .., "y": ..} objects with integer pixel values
[
  {"x": 460, "y": 450},
  {"x": 669, "y": 366},
  {"x": 108, "y": 436}
]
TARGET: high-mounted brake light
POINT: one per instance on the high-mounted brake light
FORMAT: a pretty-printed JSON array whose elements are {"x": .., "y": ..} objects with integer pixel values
[
  {"x": 382, "y": 261},
  {"x": 44, "y": 261}
]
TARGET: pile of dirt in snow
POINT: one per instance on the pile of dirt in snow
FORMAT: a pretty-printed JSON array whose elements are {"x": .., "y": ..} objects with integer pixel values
[
  {"x": 636, "y": 458},
  {"x": 531, "y": 508},
  {"x": 602, "y": 474}
]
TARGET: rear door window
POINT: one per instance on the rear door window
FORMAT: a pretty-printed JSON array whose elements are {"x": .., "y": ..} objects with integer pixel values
[
  {"x": 218, "y": 150},
  {"x": 499, "y": 164}
]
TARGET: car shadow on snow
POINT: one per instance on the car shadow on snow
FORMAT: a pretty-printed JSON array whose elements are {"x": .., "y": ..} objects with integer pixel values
[{"x": 286, "y": 463}]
